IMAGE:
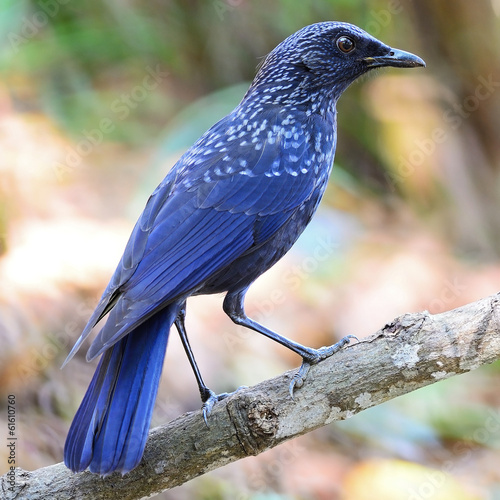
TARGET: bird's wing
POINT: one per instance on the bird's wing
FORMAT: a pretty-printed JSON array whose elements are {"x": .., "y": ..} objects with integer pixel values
[
  {"x": 131, "y": 257},
  {"x": 263, "y": 172},
  {"x": 212, "y": 208}
]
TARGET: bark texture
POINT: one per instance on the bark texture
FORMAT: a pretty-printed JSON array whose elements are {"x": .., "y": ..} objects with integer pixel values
[{"x": 412, "y": 351}]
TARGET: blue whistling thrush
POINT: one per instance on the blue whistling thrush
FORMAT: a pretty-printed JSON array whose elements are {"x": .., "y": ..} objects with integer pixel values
[{"x": 230, "y": 208}]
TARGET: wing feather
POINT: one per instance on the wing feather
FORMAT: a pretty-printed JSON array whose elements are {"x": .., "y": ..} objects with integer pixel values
[{"x": 212, "y": 208}]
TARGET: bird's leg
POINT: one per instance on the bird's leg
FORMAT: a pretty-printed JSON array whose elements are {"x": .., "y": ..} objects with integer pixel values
[
  {"x": 320, "y": 354},
  {"x": 234, "y": 308},
  {"x": 208, "y": 397}
]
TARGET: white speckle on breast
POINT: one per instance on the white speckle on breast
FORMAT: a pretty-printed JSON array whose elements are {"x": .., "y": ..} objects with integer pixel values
[{"x": 318, "y": 143}]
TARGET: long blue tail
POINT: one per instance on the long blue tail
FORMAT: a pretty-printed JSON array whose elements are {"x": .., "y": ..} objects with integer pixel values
[{"x": 111, "y": 426}]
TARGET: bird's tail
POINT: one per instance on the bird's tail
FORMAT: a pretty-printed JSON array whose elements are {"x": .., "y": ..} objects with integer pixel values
[{"x": 111, "y": 426}]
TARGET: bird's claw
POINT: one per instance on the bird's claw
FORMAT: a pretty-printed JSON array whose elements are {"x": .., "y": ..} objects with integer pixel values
[
  {"x": 209, "y": 403},
  {"x": 326, "y": 352},
  {"x": 213, "y": 398},
  {"x": 316, "y": 355},
  {"x": 299, "y": 377}
]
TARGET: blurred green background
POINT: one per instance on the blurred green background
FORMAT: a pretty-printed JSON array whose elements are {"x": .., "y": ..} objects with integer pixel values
[{"x": 99, "y": 99}]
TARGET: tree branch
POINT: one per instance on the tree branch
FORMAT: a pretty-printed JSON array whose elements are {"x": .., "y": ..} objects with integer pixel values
[{"x": 412, "y": 351}]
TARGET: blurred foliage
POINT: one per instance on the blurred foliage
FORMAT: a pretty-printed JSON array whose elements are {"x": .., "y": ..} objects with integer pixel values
[
  {"x": 395, "y": 480},
  {"x": 99, "y": 99},
  {"x": 74, "y": 61}
]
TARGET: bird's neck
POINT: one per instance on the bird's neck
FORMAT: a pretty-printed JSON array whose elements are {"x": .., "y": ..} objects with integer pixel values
[
  {"x": 296, "y": 96},
  {"x": 296, "y": 86}
]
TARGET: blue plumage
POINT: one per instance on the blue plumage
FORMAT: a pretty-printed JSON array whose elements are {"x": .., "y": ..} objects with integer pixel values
[
  {"x": 110, "y": 428},
  {"x": 230, "y": 208}
]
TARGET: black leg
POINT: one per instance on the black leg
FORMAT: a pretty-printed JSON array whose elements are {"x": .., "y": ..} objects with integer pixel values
[
  {"x": 234, "y": 308},
  {"x": 208, "y": 397}
]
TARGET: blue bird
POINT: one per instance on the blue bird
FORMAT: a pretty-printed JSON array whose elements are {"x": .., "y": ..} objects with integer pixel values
[{"x": 230, "y": 208}]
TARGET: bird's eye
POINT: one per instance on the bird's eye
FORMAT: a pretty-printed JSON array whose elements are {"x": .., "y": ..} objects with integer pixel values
[{"x": 346, "y": 44}]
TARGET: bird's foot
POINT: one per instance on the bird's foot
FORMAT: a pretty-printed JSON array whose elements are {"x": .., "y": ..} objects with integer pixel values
[
  {"x": 313, "y": 357},
  {"x": 212, "y": 398}
]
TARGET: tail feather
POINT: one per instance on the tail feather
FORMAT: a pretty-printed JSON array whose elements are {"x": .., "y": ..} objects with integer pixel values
[{"x": 111, "y": 426}]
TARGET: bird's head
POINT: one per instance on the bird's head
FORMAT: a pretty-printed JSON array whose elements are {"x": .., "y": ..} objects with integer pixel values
[{"x": 324, "y": 59}]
